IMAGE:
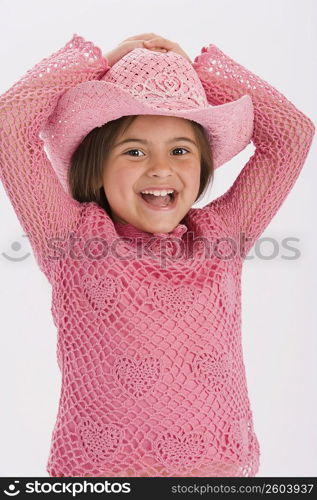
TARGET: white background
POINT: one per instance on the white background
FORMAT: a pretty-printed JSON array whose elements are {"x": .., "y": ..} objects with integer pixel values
[{"x": 276, "y": 40}]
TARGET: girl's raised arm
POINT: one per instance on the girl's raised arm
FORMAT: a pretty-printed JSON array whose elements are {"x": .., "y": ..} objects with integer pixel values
[
  {"x": 282, "y": 136},
  {"x": 42, "y": 206}
]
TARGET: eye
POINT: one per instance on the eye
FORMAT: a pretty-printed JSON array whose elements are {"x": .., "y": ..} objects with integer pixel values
[
  {"x": 130, "y": 151},
  {"x": 175, "y": 149},
  {"x": 178, "y": 149}
]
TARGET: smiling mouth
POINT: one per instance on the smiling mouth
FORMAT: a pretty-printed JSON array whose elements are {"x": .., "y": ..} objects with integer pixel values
[{"x": 160, "y": 202}]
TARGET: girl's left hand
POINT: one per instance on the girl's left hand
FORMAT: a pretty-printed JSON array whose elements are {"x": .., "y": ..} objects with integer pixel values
[
  {"x": 159, "y": 42},
  {"x": 152, "y": 41}
]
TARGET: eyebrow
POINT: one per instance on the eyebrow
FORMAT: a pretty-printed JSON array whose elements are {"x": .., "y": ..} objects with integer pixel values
[{"x": 147, "y": 142}]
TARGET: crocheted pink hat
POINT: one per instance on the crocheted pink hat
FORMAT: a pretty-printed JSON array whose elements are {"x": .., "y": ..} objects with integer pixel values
[{"x": 144, "y": 82}]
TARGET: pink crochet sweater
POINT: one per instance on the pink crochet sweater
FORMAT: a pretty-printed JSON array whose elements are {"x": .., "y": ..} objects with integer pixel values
[{"x": 149, "y": 328}]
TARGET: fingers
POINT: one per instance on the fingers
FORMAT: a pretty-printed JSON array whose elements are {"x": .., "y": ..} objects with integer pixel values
[
  {"x": 158, "y": 40},
  {"x": 150, "y": 41},
  {"x": 142, "y": 36},
  {"x": 134, "y": 44},
  {"x": 166, "y": 44}
]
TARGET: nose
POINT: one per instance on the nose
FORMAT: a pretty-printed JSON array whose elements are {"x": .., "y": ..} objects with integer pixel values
[{"x": 160, "y": 167}]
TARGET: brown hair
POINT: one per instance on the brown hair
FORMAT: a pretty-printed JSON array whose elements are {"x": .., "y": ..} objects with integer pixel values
[{"x": 86, "y": 170}]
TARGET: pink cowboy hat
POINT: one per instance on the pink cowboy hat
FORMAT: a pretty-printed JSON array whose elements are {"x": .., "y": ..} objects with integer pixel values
[{"x": 144, "y": 82}]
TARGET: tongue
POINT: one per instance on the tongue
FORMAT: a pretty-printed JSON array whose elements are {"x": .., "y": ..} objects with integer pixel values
[{"x": 158, "y": 201}]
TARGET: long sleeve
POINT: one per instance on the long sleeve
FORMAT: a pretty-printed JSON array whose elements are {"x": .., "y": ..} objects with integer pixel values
[
  {"x": 42, "y": 206},
  {"x": 282, "y": 136}
]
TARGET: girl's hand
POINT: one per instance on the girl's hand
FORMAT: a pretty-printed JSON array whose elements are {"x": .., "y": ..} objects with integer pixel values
[{"x": 149, "y": 41}]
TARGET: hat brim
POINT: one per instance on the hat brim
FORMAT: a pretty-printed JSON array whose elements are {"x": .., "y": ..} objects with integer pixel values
[{"x": 91, "y": 104}]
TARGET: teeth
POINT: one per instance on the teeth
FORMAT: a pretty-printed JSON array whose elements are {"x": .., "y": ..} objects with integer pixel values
[{"x": 159, "y": 193}]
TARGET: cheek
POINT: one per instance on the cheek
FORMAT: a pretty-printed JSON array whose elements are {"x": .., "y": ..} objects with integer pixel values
[
  {"x": 194, "y": 183},
  {"x": 119, "y": 183},
  {"x": 192, "y": 175}
]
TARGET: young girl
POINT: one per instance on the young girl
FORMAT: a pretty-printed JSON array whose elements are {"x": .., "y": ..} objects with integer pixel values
[{"x": 102, "y": 157}]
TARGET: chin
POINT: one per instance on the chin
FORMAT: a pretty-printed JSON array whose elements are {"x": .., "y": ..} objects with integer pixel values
[{"x": 166, "y": 228}]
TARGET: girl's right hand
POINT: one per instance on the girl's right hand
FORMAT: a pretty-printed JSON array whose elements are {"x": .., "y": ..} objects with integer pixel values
[{"x": 158, "y": 43}]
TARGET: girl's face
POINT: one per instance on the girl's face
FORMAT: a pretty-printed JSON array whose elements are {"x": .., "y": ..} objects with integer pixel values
[{"x": 158, "y": 152}]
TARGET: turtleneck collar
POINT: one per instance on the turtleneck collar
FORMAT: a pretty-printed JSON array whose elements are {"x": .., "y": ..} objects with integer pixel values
[{"x": 131, "y": 231}]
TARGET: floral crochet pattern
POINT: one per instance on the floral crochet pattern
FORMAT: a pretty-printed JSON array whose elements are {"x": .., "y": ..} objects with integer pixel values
[
  {"x": 137, "y": 377},
  {"x": 175, "y": 300},
  {"x": 102, "y": 293},
  {"x": 181, "y": 450},
  {"x": 214, "y": 369},
  {"x": 100, "y": 442}
]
